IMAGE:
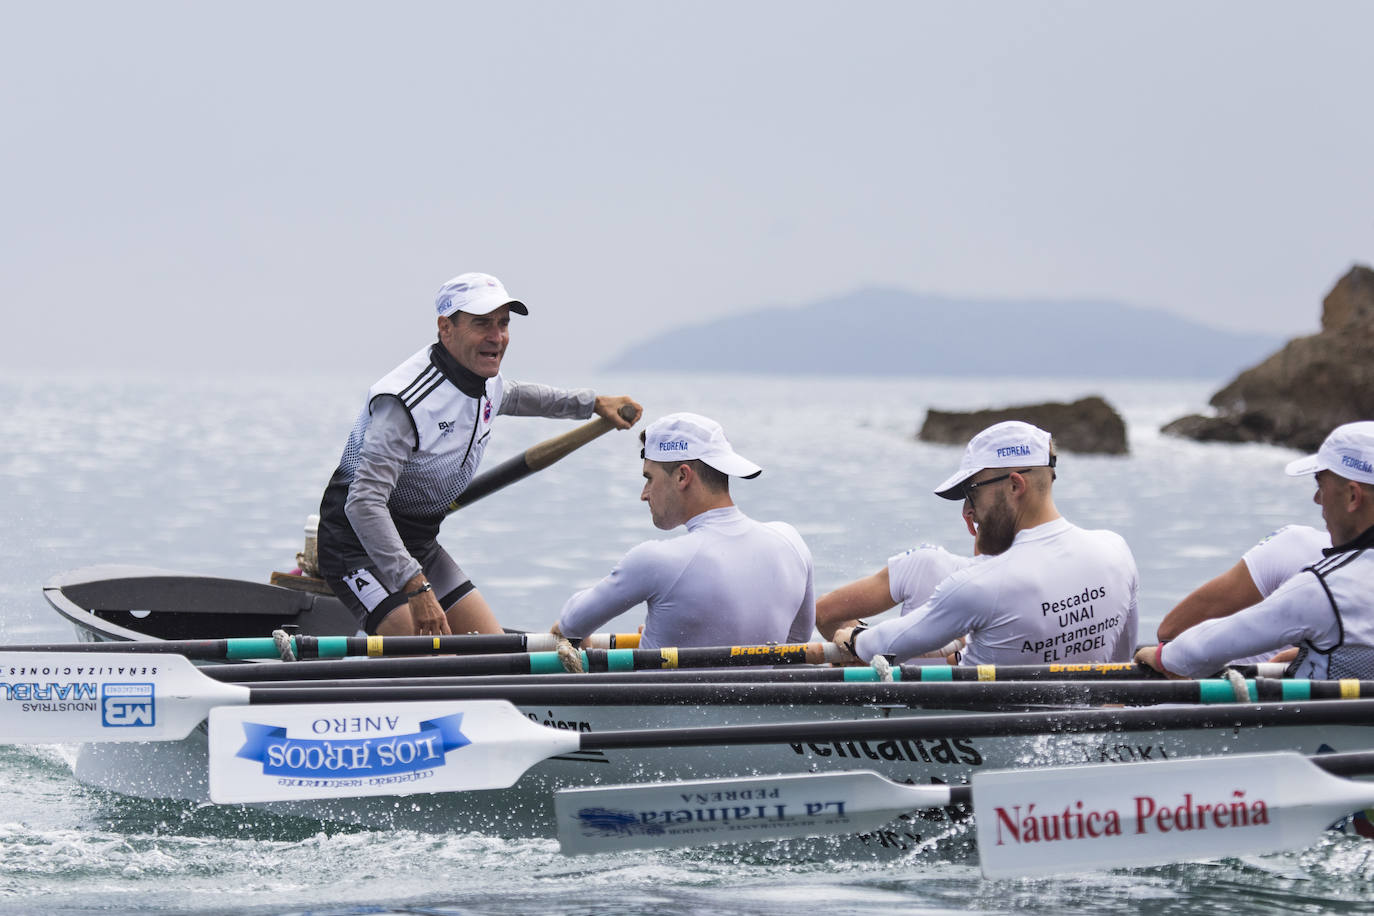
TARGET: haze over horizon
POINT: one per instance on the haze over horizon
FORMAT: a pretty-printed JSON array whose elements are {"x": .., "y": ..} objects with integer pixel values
[{"x": 219, "y": 186}]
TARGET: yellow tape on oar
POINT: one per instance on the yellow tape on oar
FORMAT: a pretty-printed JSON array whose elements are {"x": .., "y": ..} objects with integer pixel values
[
  {"x": 667, "y": 658},
  {"x": 374, "y": 646},
  {"x": 987, "y": 672},
  {"x": 1350, "y": 689}
]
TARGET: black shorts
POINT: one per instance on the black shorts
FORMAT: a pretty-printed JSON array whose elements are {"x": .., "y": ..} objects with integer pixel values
[{"x": 362, "y": 592}]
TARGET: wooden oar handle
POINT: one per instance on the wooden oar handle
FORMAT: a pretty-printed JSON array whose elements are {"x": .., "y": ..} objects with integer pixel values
[
  {"x": 541, "y": 455},
  {"x": 535, "y": 458}
]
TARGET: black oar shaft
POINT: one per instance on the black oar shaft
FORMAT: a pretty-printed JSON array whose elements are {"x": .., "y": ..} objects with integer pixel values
[
  {"x": 1004, "y": 725},
  {"x": 924, "y": 696},
  {"x": 540, "y": 663},
  {"x": 305, "y": 647}
]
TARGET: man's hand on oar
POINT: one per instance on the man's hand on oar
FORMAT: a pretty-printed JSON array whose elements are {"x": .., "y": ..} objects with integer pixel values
[{"x": 621, "y": 412}]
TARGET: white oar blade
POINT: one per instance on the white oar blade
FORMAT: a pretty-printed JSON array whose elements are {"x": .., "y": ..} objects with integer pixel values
[
  {"x": 48, "y": 697},
  {"x": 1065, "y": 819},
  {"x": 326, "y": 750},
  {"x": 701, "y": 812}
]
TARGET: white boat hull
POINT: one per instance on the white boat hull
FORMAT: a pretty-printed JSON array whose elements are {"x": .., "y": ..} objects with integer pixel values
[{"x": 178, "y": 769}]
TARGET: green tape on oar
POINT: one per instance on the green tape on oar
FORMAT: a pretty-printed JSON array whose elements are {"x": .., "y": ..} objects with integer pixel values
[
  {"x": 1216, "y": 690},
  {"x": 620, "y": 659},
  {"x": 868, "y": 675},
  {"x": 252, "y": 647},
  {"x": 1297, "y": 690},
  {"x": 937, "y": 672},
  {"x": 332, "y": 646},
  {"x": 550, "y": 663}
]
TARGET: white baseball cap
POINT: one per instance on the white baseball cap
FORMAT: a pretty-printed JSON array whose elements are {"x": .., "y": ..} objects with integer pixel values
[
  {"x": 1348, "y": 451},
  {"x": 688, "y": 436},
  {"x": 476, "y": 294},
  {"x": 1010, "y": 444}
]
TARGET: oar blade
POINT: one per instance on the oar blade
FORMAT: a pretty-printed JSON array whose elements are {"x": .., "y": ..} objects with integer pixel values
[
  {"x": 701, "y": 812},
  {"x": 1066, "y": 819},
  {"x": 93, "y": 696},
  {"x": 326, "y": 750}
]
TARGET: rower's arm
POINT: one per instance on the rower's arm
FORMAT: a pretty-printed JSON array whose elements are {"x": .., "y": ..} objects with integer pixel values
[
  {"x": 1220, "y": 597},
  {"x": 845, "y": 605}
]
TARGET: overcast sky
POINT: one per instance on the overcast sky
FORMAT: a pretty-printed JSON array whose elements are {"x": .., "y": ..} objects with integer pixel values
[{"x": 232, "y": 184}]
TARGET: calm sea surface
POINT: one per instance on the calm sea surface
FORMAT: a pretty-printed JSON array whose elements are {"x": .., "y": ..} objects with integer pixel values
[{"x": 218, "y": 477}]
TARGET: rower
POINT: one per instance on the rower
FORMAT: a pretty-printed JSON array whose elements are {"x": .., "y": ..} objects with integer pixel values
[
  {"x": 1327, "y": 610},
  {"x": 1278, "y": 557},
  {"x": 1048, "y": 590},
  {"x": 729, "y": 580}
]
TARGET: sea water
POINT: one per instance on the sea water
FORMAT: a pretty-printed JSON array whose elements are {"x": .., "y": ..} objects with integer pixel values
[{"x": 218, "y": 475}]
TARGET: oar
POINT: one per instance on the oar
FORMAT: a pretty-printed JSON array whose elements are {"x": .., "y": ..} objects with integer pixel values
[
  {"x": 313, "y": 647},
  {"x": 325, "y": 750},
  {"x": 117, "y": 697},
  {"x": 612, "y": 668},
  {"x": 776, "y": 686},
  {"x": 1029, "y": 822},
  {"x": 541, "y": 663},
  {"x": 536, "y": 458}
]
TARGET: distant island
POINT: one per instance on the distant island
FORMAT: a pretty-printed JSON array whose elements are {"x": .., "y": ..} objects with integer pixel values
[{"x": 893, "y": 332}]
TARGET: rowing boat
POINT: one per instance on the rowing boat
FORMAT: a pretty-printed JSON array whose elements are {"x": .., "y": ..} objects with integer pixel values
[
  {"x": 140, "y": 604},
  {"x": 840, "y": 727}
]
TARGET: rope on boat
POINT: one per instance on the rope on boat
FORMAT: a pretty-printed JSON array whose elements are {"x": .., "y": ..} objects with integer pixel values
[
  {"x": 570, "y": 657},
  {"x": 285, "y": 647},
  {"x": 1238, "y": 685},
  {"x": 883, "y": 667}
]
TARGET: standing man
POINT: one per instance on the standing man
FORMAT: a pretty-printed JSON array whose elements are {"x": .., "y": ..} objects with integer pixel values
[
  {"x": 413, "y": 450},
  {"x": 1048, "y": 591},
  {"x": 1327, "y": 609},
  {"x": 729, "y": 580}
]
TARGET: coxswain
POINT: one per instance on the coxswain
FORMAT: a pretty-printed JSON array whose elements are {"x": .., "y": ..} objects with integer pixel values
[{"x": 413, "y": 449}]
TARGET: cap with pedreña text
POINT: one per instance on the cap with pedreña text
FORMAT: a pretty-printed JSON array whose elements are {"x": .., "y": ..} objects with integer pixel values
[
  {"x": 688, "y": 436},
  {"x": 476, "y": 294},
  {"x": 1348, "y": 451},
  {"x": 1009, "y": 444}
]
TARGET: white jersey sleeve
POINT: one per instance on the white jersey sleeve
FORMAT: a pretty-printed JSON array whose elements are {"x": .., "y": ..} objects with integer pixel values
[
  {"x": 913, "y": 574},
  {"x": 1280, "y": 556},
  {"x": 529, "y": 399},
  {"x": 387, "y": 445},
  {"x": 1298, "y": 610},
  {"x": 634, "y": 580}
]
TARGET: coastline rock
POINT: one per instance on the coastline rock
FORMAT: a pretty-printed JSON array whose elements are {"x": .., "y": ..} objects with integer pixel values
[
  {"x": 1312, "y": 385},
  {"x": 1089, "y": 425}
]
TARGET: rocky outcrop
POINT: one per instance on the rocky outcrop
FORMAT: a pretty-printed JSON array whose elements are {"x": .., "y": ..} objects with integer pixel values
[
  {"x": 1311, "y": 386},
  {"x": 1087, "y": 425}
]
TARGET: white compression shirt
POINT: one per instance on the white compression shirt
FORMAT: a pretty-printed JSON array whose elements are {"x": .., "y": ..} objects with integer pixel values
[
  {"x": 1280, "y": 556},
  {"x": 728, "y": 581},
  {"x": 1058, "y": 594},
  {"x": 913, "y": 574}
]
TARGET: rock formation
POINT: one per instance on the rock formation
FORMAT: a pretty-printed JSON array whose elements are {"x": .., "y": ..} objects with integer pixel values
[
  {"x": 1087, "y": 425},
  {"x": 1312, "y": 385}
]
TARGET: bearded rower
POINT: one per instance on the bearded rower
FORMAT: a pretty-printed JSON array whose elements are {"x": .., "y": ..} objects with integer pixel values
[{"x": 1046, "y": 592}]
